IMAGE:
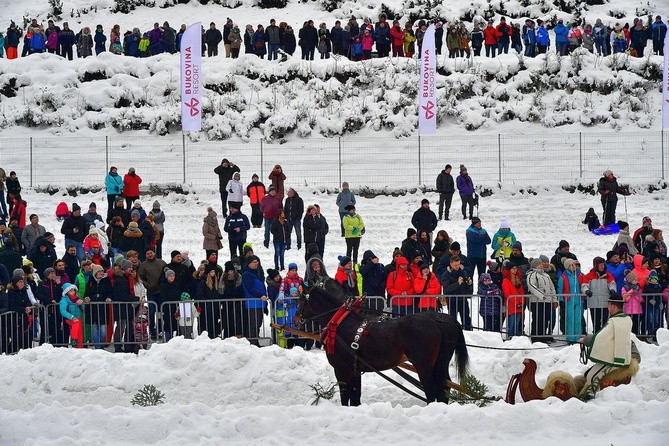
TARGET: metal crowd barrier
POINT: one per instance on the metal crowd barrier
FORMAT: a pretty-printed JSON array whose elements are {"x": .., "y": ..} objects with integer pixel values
[
  {"x": 554, "y": 322},
  {"x": 15, "y": 332},
  {"x": 220, "y": 318},
  {"x": 472, "y": 311},
  {"x": 118, "y": 326},
  {"x": 283, "y": 313}
]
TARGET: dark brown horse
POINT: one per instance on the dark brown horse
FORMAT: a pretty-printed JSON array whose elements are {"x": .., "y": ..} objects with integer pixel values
[{"x": 427, "y": 339}]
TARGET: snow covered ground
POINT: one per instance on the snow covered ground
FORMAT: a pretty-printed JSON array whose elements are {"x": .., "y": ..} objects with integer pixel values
[{"x": 232, "y": 392}]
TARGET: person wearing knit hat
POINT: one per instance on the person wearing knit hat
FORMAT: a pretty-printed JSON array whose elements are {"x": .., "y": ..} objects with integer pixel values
[
  {"x": 273, "y": 273},
  {"x": 424, "y": 219},
  {"x": 608, "y": 188},
  {"x": 477, "y": 241},
  {"x": 503, "y": 241},
  {"x": 92, "y": 215},
  {"x": 125, "y": 265},
  {"x": 466, "y": 190},
  {"x": 354, "y": 228},
  {"x": 169, "y": 272},
  {"x": 596, "y": 285},
  {"x": 543, "y": 302},
  {"x": 625, "y": 238},
  {"x": 71, "y": 309},
  {"x": 346, "y": 276},
  {"x": 410, "y": 244},
  {"x": 569, "y": 294},
  {"x": 634, "y": 301},
  {"x": 159, "y": 222},
  {"x": 446, "y": 189}
]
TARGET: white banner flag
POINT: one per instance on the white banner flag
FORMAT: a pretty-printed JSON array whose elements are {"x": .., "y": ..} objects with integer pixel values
[
  {"x": 665, "y": 85},
  {"x": 191, "y": 79},
  {"x": 427, "y": 85}
]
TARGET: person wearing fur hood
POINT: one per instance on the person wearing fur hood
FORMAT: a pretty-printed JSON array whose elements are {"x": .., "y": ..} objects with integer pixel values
[
  {"x": 211, "y": 232},
  {"x": 134, "y": 240}
]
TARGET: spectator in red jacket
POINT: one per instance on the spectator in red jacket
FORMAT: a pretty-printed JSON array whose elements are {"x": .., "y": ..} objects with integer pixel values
[
  {"x": 490, "y": 40},
  {"x": 269, "y": 206},
  {"x": 397, "y": 39},
  {"x": 428, "y": 287},
  {"x": 400, "y": 283},
  {"x": 131, "y": 182},
  {"x": 504, "y": 32}
]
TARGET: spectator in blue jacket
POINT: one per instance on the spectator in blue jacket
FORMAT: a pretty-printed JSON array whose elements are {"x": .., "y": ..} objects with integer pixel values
[
  {"x": 658, "y": 30},
  {"x": 114, "y": 186},
  {"x": 382, "y": 39},
  {"x": 465, "y": 187},
  {"x": 561, "y": 38},
  {"x": 236, "y": 225},
  {"x": 477, "y": 239},
  {"x": 543, "y": 39},
  {"x": 38, "y": 41},
  {"x": 66, "y": 40},
  {"x": 255, "y": 293},
  {"x": 530, "y": 39},
  {"x": 132, "y": 43},
  {"x": 99, "y": 40}
]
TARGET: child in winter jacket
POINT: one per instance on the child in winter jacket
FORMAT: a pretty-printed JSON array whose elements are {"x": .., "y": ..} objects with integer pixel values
[
  {"x": 71, "y": 309},
  {"x": 591, "y": 220},
  {"x": 490, "y": 306},
  {"x": 633, "y": 299},
  {"x": 186, "y": 315},
  {"x": 356, "y": 49},
  {"x": 652, "y": 295}
]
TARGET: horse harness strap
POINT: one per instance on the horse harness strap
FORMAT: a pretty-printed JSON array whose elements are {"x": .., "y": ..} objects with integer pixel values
[
  {"x": 359, "y": 333},
  {"x": 329, "y": 335}
]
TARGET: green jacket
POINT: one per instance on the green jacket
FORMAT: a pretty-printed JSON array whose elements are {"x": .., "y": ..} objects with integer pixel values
[{"x": 353, "y": 226}]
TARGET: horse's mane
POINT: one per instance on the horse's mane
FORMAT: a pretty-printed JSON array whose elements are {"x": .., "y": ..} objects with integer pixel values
[{"x": 333, "y": 292}]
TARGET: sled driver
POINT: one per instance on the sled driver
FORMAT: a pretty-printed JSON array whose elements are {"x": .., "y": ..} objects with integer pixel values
[{"x": 611, "y": 347}]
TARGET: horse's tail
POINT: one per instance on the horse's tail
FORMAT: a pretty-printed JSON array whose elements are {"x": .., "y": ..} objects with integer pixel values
[{"x": 461, "y": 354}]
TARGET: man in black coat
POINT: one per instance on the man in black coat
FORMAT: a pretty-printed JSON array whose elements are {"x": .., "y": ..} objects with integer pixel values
[
  {"x": 410, "y": 244},
  {"x": 457, "y": 285},
  {"x": 212, "y": 38},
  {"x": 225, "y": 171},
  {"x": 123, "y": 295},
  {"x": 75, "y": 229},
  {"x": 424, "y": 219},
  {"x": 608, "y": 188},
  {"x": 294, "y": 208},
  {"x": 183, "y": 273},
  {"x": 42, "y": 257},
  {"x": 446, "y": 189}
]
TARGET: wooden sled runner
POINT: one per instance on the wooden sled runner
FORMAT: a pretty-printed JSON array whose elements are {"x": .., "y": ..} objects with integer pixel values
[{"x": 561, "y": 384}]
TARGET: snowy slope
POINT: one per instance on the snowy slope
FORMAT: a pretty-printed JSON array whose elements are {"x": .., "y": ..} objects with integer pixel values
[{"x": 253, "y": 98}]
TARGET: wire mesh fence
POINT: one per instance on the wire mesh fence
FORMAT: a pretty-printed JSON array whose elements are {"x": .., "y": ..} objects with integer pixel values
[{"x": 494, "y": 159}]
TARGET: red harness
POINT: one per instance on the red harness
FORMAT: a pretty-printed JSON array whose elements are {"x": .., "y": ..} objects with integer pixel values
[{"x": 329, "y": 335}]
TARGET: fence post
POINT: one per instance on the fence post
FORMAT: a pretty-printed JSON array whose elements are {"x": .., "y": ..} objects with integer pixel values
[
  {"x": 339, "y": 162},
  {"x": 31, "y": 162},
  {"x": 580, "y": 155},
  {"x": 499, "y": 158},
  {"x": 662, "y": 139},
  {"x": 107, "y": 153},
  {"x": 183, "y": 151},
  {"x": 262, "y": 175},
  {"x": 419, "y": 167}
]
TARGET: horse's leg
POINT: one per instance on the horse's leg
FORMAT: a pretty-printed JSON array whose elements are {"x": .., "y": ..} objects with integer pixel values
[
  {"x": 355, "y": 389},
  {"x": 344, "y": 387}
]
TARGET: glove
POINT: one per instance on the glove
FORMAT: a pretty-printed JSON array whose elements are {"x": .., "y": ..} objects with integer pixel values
[
  {"x": 266, "y": 311},
  {"x": 588, "y": 293},
  {"x": 355, "y": 231},
  {"x": 281, "y": 296}
]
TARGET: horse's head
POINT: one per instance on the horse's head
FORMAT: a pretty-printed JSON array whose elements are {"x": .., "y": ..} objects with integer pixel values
[{"x": 318, "y": 302}]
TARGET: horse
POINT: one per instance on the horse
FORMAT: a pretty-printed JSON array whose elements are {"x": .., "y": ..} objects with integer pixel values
[{"x": 427, "y": 339}]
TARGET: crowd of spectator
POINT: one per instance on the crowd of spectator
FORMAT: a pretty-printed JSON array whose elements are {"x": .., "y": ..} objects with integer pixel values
[
  {"x": 352, "y": 39},
  {"x": 112, "y": 286}
]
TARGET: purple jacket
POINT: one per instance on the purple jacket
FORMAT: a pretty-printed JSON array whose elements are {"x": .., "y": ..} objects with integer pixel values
[
  {"x": 270, "y": 205},
  {"x": 155, "y": 35},
  {"x": 465, "y": 185}
]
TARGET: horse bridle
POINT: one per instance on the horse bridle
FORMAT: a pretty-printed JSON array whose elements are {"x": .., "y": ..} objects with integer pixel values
[{"x": 303, "y": 320}]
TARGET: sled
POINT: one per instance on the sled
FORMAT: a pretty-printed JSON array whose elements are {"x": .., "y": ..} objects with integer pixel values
[
  {"x": 613, "y": 228},
  {"x": 561, "y": 384}
]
